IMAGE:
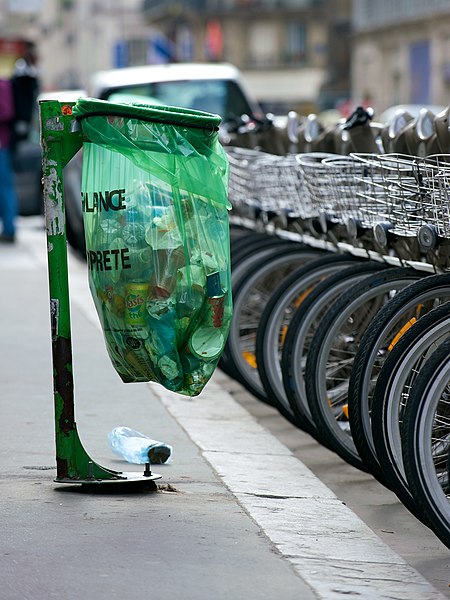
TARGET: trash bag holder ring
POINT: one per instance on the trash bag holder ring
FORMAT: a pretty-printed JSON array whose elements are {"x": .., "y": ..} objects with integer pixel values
[{"x": 208, "y": 127}]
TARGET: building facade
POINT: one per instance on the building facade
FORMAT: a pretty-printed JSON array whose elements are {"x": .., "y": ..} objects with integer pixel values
[
  {"x": 74, "y": 38},
  {"x": 401, "y": 52},
  {"x": 294, "y": 54}
]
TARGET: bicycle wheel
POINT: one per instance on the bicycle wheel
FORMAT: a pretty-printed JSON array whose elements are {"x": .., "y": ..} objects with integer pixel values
[
  {"x": 396, "y": 317},
  {"x": 250, "y": 296},
  {"x": 392, "y": 391},
  {"x": 239, "y": 232},
  {"x": 332, "y": 352},
  {"x": 275, "y": 321},
  {"x": 243, "y": 264},
  {"x": 426, "y": 441},
  {"x": 251, "y": 243},
  {"x": 301, "y": 330},
  {"x": 252, "y": 254},
  {"x": 240, "y": 240}
]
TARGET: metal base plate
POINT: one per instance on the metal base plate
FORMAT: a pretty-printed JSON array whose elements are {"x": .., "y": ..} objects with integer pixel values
[{"x": 123, "y": 478}]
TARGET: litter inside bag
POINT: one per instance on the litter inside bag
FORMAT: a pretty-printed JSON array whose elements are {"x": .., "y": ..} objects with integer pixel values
[{"x": 154, "y": 198}]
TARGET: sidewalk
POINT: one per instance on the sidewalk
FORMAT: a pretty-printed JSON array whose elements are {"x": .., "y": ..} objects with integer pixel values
[{"x": 237, "y": 515}]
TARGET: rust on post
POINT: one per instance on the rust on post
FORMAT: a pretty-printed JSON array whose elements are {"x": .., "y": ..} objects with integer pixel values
[
  {"x": 62, "y": 468},
  {"x": 63, "y": 382}
]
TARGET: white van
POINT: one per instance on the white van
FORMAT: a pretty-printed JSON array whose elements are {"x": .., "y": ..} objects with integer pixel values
[{"x": 216, "y": 88}]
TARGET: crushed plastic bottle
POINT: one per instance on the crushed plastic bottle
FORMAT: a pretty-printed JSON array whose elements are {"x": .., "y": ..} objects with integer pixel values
[{"x": 137, "y": 448}]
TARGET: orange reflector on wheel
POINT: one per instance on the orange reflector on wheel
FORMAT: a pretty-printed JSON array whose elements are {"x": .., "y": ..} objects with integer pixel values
[
  {"x": 300, "y": 299},
  {"x": 403, "y": 330},
  {"x": 250, "y": 358}
]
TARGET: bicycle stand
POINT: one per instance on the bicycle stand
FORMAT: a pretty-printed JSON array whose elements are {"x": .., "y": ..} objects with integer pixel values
[{"x": 61, "y": 138}]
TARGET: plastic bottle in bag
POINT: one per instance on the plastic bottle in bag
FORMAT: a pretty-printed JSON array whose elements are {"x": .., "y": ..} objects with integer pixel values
[{"x": 137, "y": 448}]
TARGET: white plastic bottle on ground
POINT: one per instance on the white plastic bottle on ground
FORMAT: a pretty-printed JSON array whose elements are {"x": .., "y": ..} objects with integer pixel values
[{"x": 137, "y": 448}]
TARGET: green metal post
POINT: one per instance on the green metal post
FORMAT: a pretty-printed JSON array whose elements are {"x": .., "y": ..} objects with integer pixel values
[{"x": 61, "y": 138}]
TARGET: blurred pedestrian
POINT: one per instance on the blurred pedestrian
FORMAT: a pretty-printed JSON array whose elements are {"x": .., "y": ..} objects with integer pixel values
[
  {"x": 25, "y": 88},
  {"x": 8, "y": 199}
]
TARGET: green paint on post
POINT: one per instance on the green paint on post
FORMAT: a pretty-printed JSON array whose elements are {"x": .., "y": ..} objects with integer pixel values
[{"x": 60, "y": 140}]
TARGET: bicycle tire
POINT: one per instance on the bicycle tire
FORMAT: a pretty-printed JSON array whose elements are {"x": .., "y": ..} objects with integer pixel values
[
  {"x": 240, "y": 241},
  {"x": 391, "y": 395},
  {"x": 246, "y": 259},
  {"x": 300, "y": 332},
  {"x": 239, "y": 231},
  {"x": 252, "y": 241},
  {"x": 250, "y": 296},
  {"x": 275, "y": 320},
  {"x": 243, "y": 264},
  {"x": 426, "y": 420},
  {"x": 380, "y": 337},
  {"x": 332, "y": 352}
]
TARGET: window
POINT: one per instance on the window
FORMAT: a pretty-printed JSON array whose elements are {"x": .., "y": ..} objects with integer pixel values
[
  {"x": 216, "y": 96},
  {"x": 296, "y": 43},
  {"x": 137, "y": 52},
  {"x": 263, "y": 44}
]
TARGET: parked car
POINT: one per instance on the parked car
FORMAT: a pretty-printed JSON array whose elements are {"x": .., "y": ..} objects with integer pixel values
[{"x": 216, "y": 88}]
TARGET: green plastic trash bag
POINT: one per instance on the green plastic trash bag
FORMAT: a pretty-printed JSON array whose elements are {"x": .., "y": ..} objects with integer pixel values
[{"x": 155, "y": 208}]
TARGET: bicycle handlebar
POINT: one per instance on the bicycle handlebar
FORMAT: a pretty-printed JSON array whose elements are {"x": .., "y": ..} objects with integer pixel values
[
  {"x": 360, "y": 116},
  {"x": 247, "y": 122}
]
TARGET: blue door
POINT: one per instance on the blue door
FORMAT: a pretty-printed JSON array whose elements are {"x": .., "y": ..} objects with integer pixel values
[{"x": 420, "y": 72}]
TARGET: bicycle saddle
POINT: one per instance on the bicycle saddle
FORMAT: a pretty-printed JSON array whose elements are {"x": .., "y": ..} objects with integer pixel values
[
  {"x": 441, "y": 126},
  {"x": 360, "y": 116},
  {"x": 393, "y": 134},
  {"x": 398, "y": 123},
  {"x": 312, "y": 129}
]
